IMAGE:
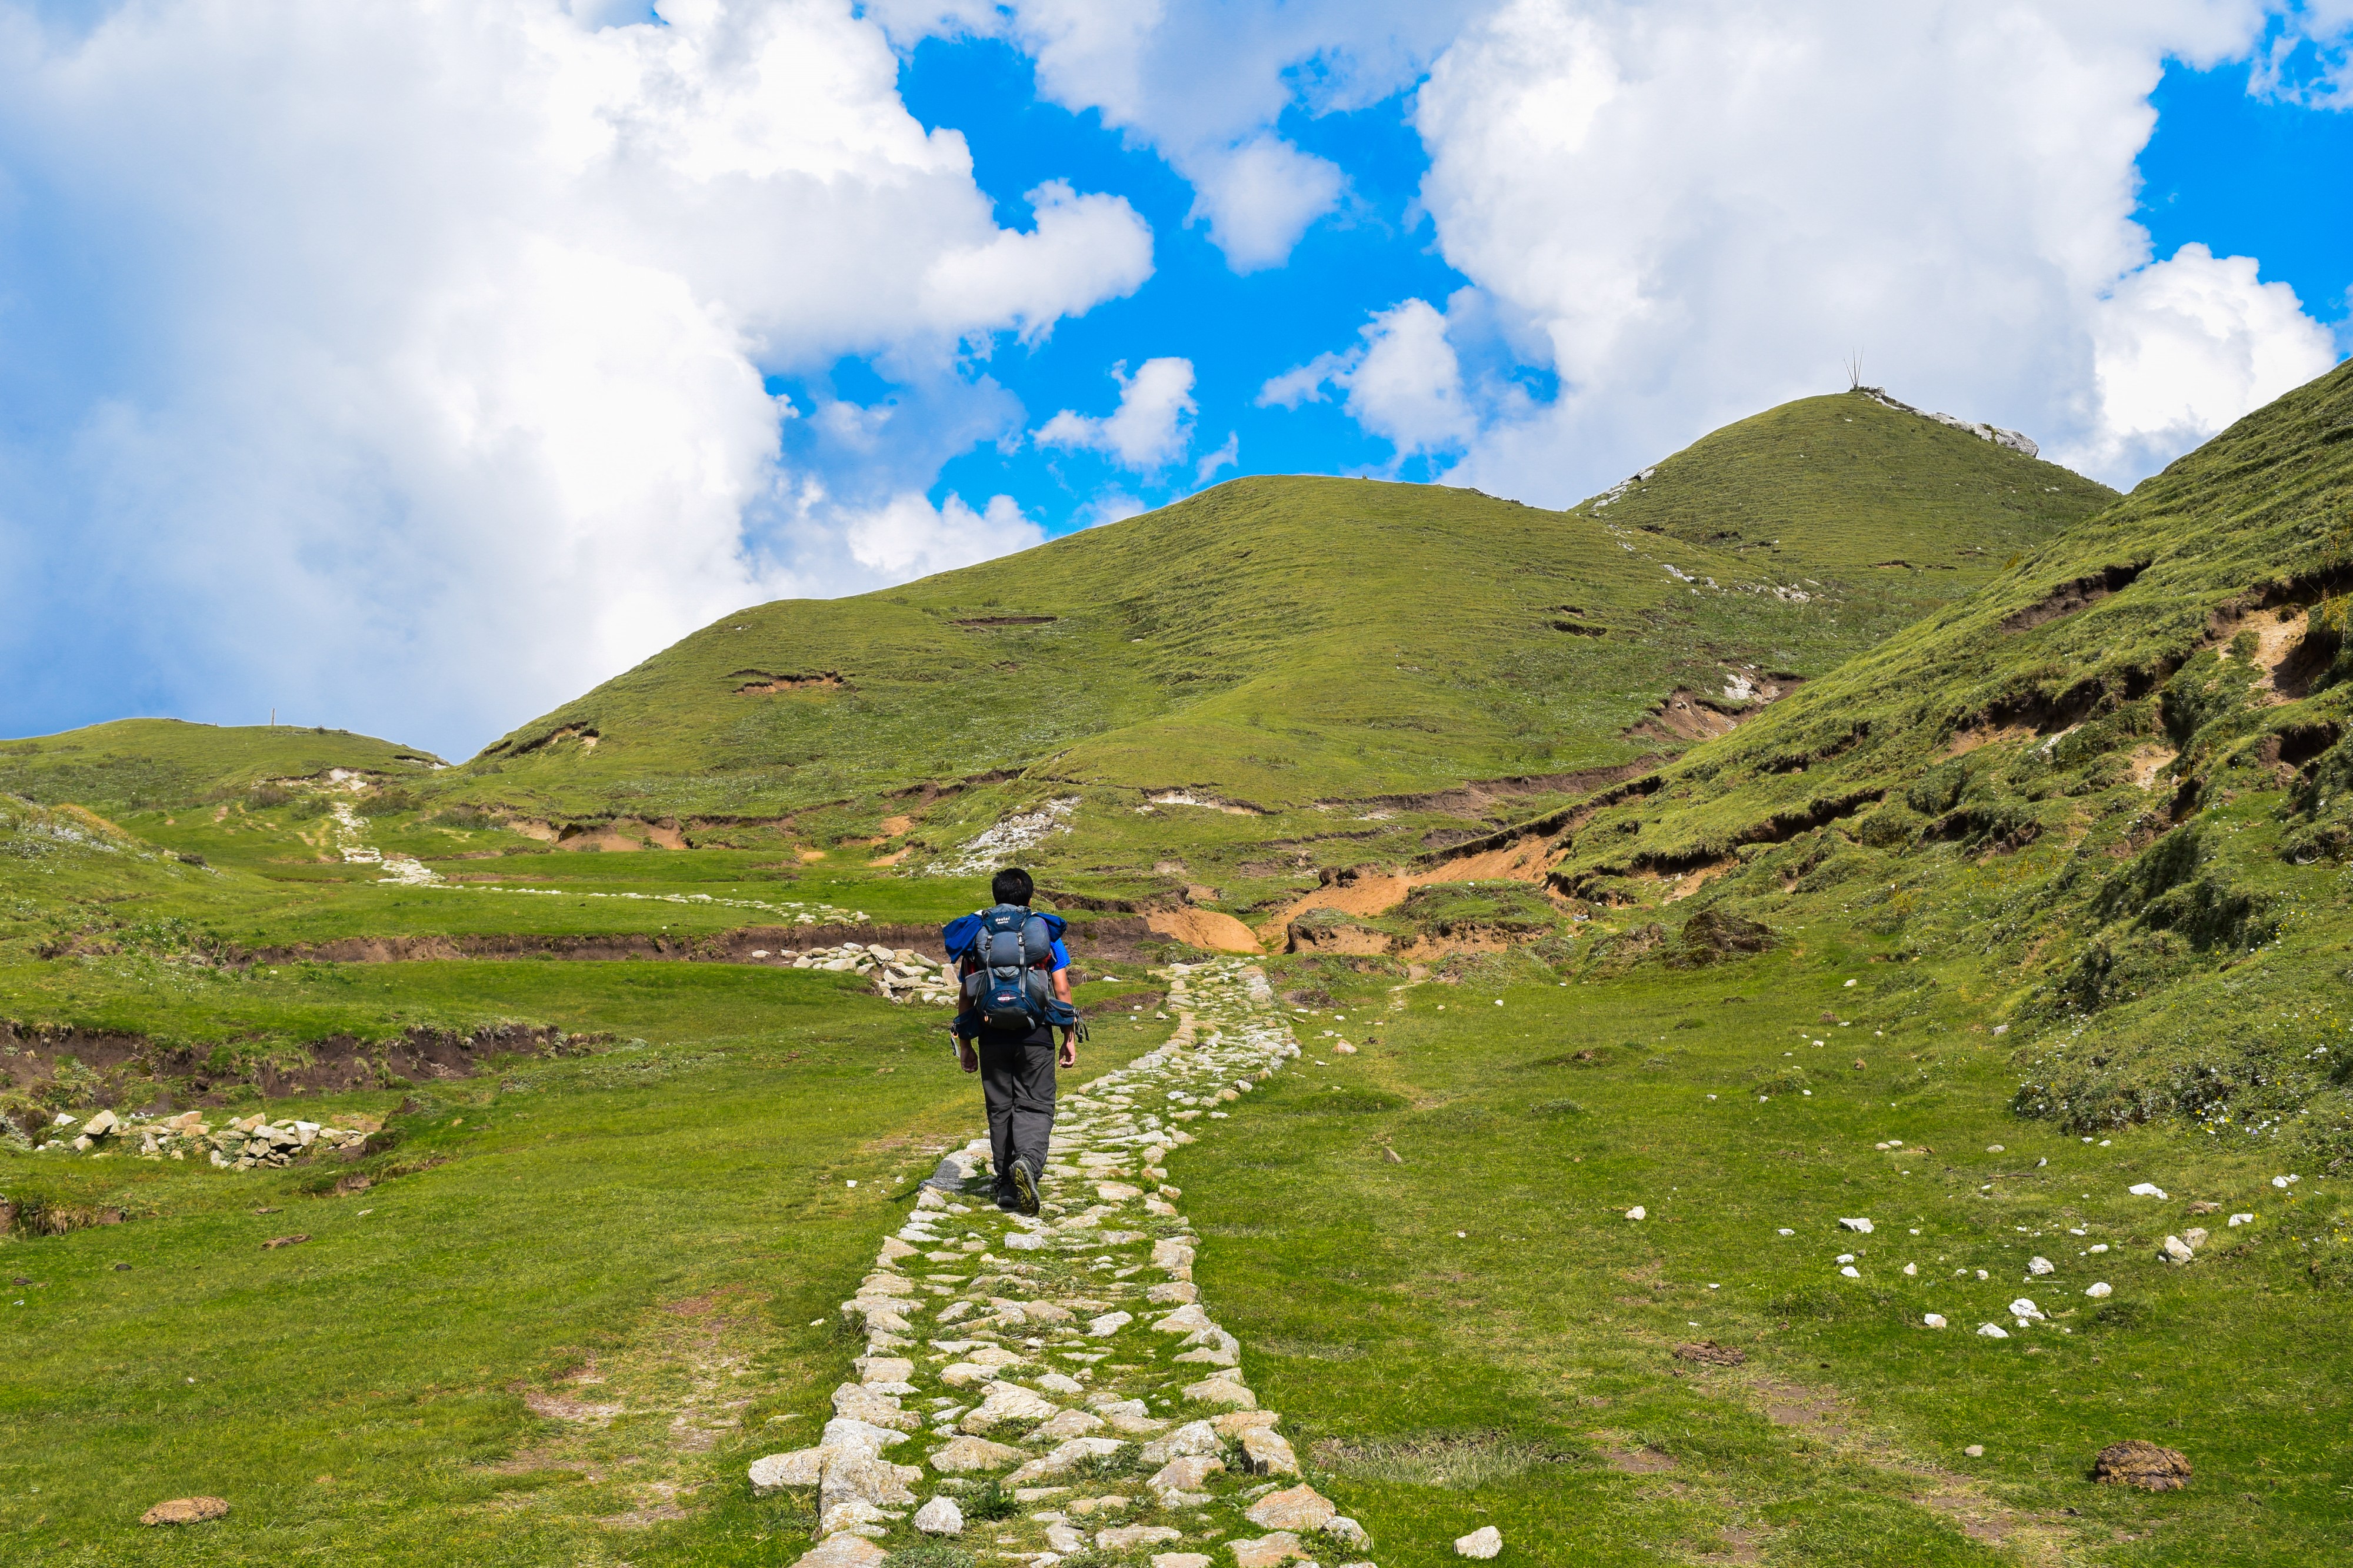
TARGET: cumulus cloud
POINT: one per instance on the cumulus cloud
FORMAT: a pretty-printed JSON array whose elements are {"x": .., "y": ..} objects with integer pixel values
[
  {"x": 1151, "y": 428},
  {"x": 1403, "y": 382},
  {"x": 1228, "y": 455},
  {"x": 1690, "y": 209},
  {"x": 1204, "y": 85},
  {"x": 406, "y": 363},
  {"x": 2184, "y": 347}
]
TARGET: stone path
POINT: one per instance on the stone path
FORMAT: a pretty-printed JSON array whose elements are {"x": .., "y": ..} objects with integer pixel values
[{"x": 1042, "y": 1388}]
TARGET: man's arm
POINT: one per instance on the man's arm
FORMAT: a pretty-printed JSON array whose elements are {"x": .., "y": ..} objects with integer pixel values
[{"x": 1069, "y": 1057}]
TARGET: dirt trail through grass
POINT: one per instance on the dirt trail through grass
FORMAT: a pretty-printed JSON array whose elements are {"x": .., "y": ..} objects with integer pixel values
[{"x": 1063, "y": 1384}]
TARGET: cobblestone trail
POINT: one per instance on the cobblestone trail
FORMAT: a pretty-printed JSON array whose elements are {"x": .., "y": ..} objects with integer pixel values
[{"x": 1053, "y": 1386}]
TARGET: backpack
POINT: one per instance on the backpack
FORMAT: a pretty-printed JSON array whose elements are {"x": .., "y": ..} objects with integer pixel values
[{"x": 1009, "y": 987}]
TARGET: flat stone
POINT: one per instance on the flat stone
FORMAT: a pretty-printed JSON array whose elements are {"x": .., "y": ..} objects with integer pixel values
[
  {"x": 940, "y": 1517},
  {"x": 1109, "y": 1324},
  {"x": 185, "y": 1509},
  {"x": 1065, "y": 1458},
  {"x": 1185, "y": 1320},
  {"x": 1193, "y": 1438},
  {"x": 1180, "y": 1560},
  {"x": 1068, "y": 1424},
  {"x": 1188, "y": 1474},
  {"x": 1008, "y": 1402},
  {"x": 801, "y": 1468},
  {"x": 966, "y": 1374},
  {"x": 1268, "y": 1453},
  {"x": 1116, "y": 1192},
  {"x": 848, "y": 1433},
  {"x": 1269, "y": 1550},
  {"x": 1482, "y": 1544},
  {"x": 1136, "y": 1425},
  {"x": 855, "y": 1516},
  {"x": 1863, "y": 1226},
  {"x": 1127, "y": 1537},
  {"x": 1346, "y": 1530},
  {"x": 859, "y": 1403},
  {"x": 1064, "y": 1540},
  {"x": 1298, "y": 1508},
  {"x": 959, "y": 1456},
  {"x": 1221, "y": 1391},
  {"x": 857, "y": 1478},
  {"x": 1176, "y": 1292},
  {"x": 1172, "y": 1254},
  {"x": 1234, "y": 1423},
  {"x": 843, "y": 1551}
]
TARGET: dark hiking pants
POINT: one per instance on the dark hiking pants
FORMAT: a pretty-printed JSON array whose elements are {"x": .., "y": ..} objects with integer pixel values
[{"x": 1017, "y": 1079}]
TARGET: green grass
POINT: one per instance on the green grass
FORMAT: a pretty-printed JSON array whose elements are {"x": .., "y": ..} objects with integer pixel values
[
  {"x": 136, "y": 762},
  {"x": 1503, "y": 1375},
  {"x": 674, "y": 1214}
]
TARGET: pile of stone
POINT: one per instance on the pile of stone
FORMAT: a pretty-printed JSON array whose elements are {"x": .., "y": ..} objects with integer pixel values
[
  {"x": 242, "y": 1145},
  {"x": 900, "y": 974}
]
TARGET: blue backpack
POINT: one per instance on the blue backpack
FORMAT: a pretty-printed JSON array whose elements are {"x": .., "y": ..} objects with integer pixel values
[{"x": 1010, "y": 987}]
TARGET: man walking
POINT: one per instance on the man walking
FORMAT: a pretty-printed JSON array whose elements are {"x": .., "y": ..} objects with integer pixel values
[{"x": 1015, "y": 990}]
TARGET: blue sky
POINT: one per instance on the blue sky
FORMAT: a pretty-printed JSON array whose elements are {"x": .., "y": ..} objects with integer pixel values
[{"x": 413, "y": 371}]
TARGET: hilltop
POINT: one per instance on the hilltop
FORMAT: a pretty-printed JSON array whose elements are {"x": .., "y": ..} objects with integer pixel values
[
  {"x": 134, "y": 764},
  {"x": 1276, "y": 649}
]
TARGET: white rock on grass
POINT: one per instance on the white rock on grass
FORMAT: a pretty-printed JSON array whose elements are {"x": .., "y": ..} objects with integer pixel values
[
  {"x": 2041, "y": 1265},
  {"x": 2146, "y": 1190},
  {"x": 1857, "y": 1224},
  {"x": 1851, "y": 1272},
  {"x": 2239, "y": 1219},
  {"x": 844, "y": 1550},
  {"x": 940, "y": 1517},
  {"x": 1993, "y": 1330},
  {"x": 802, "y": 1467},
  {"x": 2173, "y": 1249},
  {"x": 1637, "y": 1212},
  {"x": 2097, "y": 1291},
  {"x": 1181, "y": 1559},
  {"x": 1128, "y": 1537},
  {"x": 2025, "y": 1310},
  {"x": 1935, "y": 1320},
  {"x": 1297, "y": 1508},
  {"x": 1483, "y": 1543},
  {"x": 962, "y": 1455}
]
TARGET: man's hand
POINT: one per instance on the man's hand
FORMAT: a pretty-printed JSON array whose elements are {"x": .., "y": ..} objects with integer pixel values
[
  {"x": 1070, "y": 1054},
  {"x": 966, "y": 1057}
]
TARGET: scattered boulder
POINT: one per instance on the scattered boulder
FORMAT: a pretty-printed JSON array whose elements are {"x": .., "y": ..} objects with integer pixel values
[
  {"x": 1298, "y": 1507},
  {"x": 1268, "y": 1453},
  {"x": 2175, "y": 1250},
  {"x": 186, "y": 1511},
  {"x": 1483, "y": 1542},
  {"x": 2095, "y": 1291},
  {"x": 843, "y": 1551},
  {"x": 2133, "y": 1463},
  {"x": 2041, "y": 1265},
  {"x": 801, "y": 1468},
  {"x": 1126, "y": 1538},
  {"x": 1269, "y": 1550},
  {"x": 1863, "y": 1226},
  {"x": 959, "y": 1456},
  {"x": 940, "y": 1517}
]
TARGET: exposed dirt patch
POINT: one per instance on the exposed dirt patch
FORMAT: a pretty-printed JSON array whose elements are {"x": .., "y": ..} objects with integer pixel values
[
  {"x": 1685, "y": 717},
  {"x": 986, "y": 622},
  {"x": 760, "y": 680},
  {"x": 2068, "y": 597},
  {"x": 1479, "y": 796},
  {"x": 1204, "y": 928},
  {"x": 2149, "y": 760}
]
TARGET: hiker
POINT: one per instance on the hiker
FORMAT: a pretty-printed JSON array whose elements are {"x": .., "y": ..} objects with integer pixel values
[{"x": 1015, "y": 993}]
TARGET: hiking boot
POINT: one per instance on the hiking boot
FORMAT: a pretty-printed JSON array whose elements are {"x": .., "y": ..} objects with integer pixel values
[
  {"x": 1009, "y": 1202},
  {"x": 1025, "y": 1188}
]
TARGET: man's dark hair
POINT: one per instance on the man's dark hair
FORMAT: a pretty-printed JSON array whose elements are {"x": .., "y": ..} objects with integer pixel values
[{"x": 1012, "y": 886}]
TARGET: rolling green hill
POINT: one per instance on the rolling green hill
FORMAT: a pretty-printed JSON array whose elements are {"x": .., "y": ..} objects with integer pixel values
[
  {"x": 2125, "y": 770},
  {"x": 1280, "y": 647},
  {"x": 132, "y": 764}
]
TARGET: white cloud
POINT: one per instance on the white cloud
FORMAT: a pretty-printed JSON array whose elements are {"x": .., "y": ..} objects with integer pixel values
[
  {"x": 1228, "y": 455},
  {"x": 403, "y": 361},
  {"x": 1690, "y": 209},
  {"x": 2184, "y": 347},
  {"x": 1152, "y": 426},
  {"x": 1205, "y": 84},
  {"x": 908, "y": 537},
  {"x": 1403, "y": 382}
]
